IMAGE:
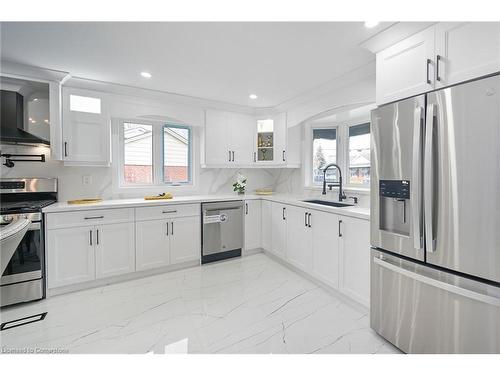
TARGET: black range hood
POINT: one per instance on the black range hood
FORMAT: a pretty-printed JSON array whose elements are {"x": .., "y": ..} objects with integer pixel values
[{"x": 12, "y": 121}]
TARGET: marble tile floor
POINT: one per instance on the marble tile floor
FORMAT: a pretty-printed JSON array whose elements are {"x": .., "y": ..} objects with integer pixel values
[{"x": 246, "y": 305}]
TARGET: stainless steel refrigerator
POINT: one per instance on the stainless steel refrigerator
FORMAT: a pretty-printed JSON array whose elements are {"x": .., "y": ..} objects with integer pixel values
[{"x": 435, "y": 220}]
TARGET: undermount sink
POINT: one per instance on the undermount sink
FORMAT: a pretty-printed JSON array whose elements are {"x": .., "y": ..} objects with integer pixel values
[{"x": 328, "y": 203}]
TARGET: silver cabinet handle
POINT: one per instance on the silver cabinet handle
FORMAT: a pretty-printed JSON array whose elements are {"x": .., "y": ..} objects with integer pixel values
[
  {"x": 429, "y": 178},
  {"x": 90, "y": 237},
  {"x": 340, "y": 233},
  {"x": 172, "y": 230},
  {"x": 416, "y": 178},
  {"x": 66, "y": 149},
  {"x": 438, "y": 283},
  {"x": 93, "y": 217},
  {"x": 309, "y": 220},
  {"x": 167, "y": 228},
  {"x": 427, "y": 72},
  {"x": 438, "y": 59},
  {"x": 169, "y": 212}
]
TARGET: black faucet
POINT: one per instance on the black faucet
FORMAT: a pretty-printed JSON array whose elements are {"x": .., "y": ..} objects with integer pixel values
[{"x": 339, "y": 184}]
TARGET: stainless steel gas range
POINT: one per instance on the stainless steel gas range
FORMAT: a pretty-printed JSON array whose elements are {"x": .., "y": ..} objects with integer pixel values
[{"x": 24, "y": 278}]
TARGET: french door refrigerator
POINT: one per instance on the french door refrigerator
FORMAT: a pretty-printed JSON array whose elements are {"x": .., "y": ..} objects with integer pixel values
[{"x": 435, "y": 220}]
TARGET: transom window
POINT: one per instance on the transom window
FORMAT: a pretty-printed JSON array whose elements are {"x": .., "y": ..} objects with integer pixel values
[{"x": 155, "y": 154}]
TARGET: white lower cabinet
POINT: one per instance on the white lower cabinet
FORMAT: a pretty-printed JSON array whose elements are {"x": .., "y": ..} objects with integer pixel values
[
  {"x": 355, "y": 258},
  {"x": 152, "y": 244},
  {"x": 114, "y": 249},
  {"x": 278, "y": 225},
  {"x": 253, "y": 214},
  {"x": 70, "y": 256},
  {"x": 299, "y": 250},
  {"x": 325, "y": 243},
  {"x": 163, "y": 242},
  {"x": 266, "y": 223},
  {"x": 185, "y": 241}
]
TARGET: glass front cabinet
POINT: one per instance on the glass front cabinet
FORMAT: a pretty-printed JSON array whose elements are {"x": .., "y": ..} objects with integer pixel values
[{"x": 270, "y": 142}]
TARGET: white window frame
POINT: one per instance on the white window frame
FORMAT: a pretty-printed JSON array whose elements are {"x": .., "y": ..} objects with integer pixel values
[
  {"x": 158, "y": 183},
  {"x": 342, "y": 136}
]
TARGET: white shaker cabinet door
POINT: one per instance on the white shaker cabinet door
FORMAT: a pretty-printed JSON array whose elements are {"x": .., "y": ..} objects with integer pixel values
[
  {"x": 466, "y": 50},
  {"x": 152, "y": 244},
  {"x": 114, "y": 249},
  {"x": 253, "y": 214},
  {"x": 355, "y": 255},
  {"x": 241, "y": 129},
  {"x": 70, "y": 256},
  {"x": 325, "y": 243},
  {"x": 278, "y": 225},
  {"x": 299, "y": 237},
  {"x": 216, "y": 138},
  {"x": 267, "y": 230},
  {"x": 406, "y": 68},
  {"x": 185, "y": 241}
]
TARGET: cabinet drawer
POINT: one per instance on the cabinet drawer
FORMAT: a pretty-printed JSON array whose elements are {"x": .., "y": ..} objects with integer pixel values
[
  {"x": 166, "y": 211},
  {"x": 90, "y": 217}
]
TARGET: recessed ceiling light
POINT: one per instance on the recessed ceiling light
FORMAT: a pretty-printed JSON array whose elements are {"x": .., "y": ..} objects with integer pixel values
[
  {"x": 35, "y": 100},
  {"x": 252, "y": 96},
  {"x": 146, "y": 74},
  {"x": 370, "y": 24}
]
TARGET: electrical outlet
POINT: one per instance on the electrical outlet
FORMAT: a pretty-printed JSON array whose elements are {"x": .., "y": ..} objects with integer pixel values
[{"x": 86, "y": 179}]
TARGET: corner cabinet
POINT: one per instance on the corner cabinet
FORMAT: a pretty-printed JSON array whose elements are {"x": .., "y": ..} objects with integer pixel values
[
  {"x": 442, "y": 55},
  {"x": 86, "y": 128},
  {"x": 235, "y": 140}
]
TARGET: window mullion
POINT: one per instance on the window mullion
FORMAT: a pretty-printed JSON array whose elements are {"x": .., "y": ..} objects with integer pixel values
[{"x": 157, "y": 155}]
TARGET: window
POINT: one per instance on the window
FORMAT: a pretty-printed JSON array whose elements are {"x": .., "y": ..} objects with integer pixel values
[
  {"x": 155, "y": 154},
  {"x": 176, "y": 154},
  {"x": 138, "y": 153},
  {"x": 84, "y": 104},
  {"x": 352, "y": 155},
  {"x": 324, "y": 152},
  {"x": 359, "y": 154}
]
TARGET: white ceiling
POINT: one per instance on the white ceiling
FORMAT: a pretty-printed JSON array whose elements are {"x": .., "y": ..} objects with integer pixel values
[{"x": 219, "y": 61}]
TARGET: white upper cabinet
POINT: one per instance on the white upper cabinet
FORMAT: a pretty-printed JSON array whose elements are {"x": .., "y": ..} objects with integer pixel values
[
  {"x": 406, "y": 68},
  {"x": 466, "y": 50},
  {"x": 228, "y": 139},
  {"x": 86, "y": 128},
  {"x": 271, "y": 137},
  {"x": 442, "y": 55}
]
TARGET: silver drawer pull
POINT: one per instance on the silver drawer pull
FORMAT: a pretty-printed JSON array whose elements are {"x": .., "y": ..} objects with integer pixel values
[
  {"x": 94, "y": 217},
  {"x": 169, "y": 212}
]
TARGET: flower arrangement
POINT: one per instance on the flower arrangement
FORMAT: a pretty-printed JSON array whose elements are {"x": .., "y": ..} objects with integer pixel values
[{"x": 240, "y": 184}]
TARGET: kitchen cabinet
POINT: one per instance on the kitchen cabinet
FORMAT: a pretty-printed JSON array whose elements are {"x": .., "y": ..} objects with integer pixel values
[
  {"x": 278, "y": 225},
  {"x": 267, "y": 230},
  {"x": 185, "y": 240},
  {"x": 355, "y": 258},
  {"x": 440, "y": 56},
  {"x": 70, "y": 256},
  {"x": 228, "y": 139},
  {"x": 163, "y": 242},
  {"x": 406, "y": 68},
  {"x": 466, "y": 50},
  {"x": 270, "y": 147},
  {"x": 299, "y": 237},
  {"x": 114, "y": 249},
  {"x": 86, "y": 128},
  {"x": 253, "y": 214},
  {"x": 326, "y": 247},
  {"x": 152, "y": 244}
]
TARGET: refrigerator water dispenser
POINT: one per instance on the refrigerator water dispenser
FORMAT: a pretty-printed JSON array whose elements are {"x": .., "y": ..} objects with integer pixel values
[{"x": 394, "y": 198}]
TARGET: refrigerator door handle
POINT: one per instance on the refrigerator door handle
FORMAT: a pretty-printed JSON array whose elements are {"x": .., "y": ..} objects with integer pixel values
[
  {"x": 430, "y": 243},
  {"x": 438, "y": 284},
  {"x": 416, "y": 182}
]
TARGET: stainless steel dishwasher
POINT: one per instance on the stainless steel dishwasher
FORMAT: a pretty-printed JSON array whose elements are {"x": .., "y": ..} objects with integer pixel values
[{"x": 222, "y": 234}]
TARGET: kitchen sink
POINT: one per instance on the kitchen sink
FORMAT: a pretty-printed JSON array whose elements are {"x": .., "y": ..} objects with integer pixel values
[{"x": 328, "y": 203}]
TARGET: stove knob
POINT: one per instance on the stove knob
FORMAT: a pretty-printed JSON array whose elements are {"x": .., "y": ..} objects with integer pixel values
[{"x": 7, "y": 219}]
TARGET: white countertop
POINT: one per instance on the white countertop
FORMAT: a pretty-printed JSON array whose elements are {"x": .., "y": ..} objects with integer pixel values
[{"x": 354, "y": 211}]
